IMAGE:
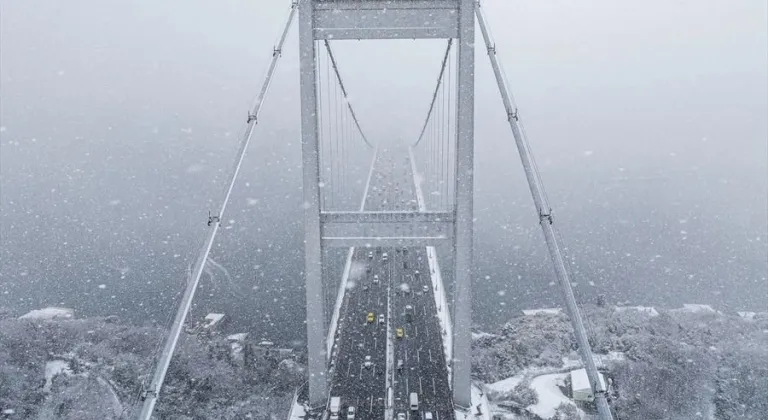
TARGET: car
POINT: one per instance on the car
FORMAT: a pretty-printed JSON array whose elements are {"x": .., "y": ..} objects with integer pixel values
[
  {"x": 399, "y": 332},
  {"x": 385, "y": 257},
  {"x": 399, "y": 364},
  {"x": 351, "y": 413},
  {"x": 428, "y": 415},
  {"x": 370, "y": 255},
  {"x": 371, "y": 317},
  {"x": 381, "y": 318},
  {"x": 425, "y": 288},
  {"x": 375, "y": 279},
  {"x": 365, "y": 287},
  {"x": 416, "y": 274},
  {"x": 368, "y": 363},
  {"x": 405, "y": 265},
  {"x": 400, "y": 416}
]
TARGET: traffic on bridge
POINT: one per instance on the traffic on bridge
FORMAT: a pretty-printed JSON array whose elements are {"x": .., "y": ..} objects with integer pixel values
[{"x": 390, "y": 300}]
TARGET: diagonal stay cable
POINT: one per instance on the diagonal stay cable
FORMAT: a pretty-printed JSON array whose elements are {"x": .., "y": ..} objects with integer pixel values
[
  {"x": 151, "y": 395},
  {"x": 437, "y": 88},
  {"x": 344, "y": 91}
]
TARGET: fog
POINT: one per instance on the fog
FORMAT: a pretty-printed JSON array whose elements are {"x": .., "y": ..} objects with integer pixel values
[{"x": 119, "y": 121}]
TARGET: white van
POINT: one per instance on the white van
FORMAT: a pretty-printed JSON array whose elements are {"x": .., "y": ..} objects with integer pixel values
[{"x": 414, "y": 402}]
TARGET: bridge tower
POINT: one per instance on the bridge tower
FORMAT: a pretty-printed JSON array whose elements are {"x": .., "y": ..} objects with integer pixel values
[{"x": 387, "y": 19}]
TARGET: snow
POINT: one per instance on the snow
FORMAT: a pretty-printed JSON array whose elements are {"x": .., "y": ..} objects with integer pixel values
[
  {"x": 551, "y": 311},
  {"x": 612, "y": 356},
  {"x": 53, "y": 368},
  {"x": 752, "y": 315},
  {"x": 49, "y": 313},
  {"x": 334, "y": 325},
  {"x": 695, "y": 308},
  {"x": 549, "y": 394},
  {"x": 505, "y": 385},
  {"x": 650, "y": 310},
  {"x": 213, "y": 319},
  {"x": 477, "y": 336},
  {"x": 239, "y": 337},
  {"x": 117, "y": 406},
  {"x": 297, "y": 410},
  {"x": 480, "y": 409}
]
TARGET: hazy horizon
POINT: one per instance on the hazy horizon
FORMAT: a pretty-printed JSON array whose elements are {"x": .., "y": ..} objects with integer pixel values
[{"x": 118, "y": 122}]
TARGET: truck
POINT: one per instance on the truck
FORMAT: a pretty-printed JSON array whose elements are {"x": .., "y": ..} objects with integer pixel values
[
  {"x": 414, "y": 401},
  {"x": 335, "y": 407}
]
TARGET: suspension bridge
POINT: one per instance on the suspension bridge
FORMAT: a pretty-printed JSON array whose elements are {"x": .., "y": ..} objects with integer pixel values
[{"x": 390, "y": 343}]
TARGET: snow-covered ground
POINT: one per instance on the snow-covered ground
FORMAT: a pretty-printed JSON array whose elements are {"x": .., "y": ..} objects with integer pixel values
[
  {"x": 551, "y": 311},
  {"x": 53, "y": 368},
  {"x": 212, "y": 319},
  {"x": 297, "y": 409},
  {"x": 550, "y": 396},
  {"x": 480, "y": 409},
  {"x": 696, "y": 308},
  {"x": 334, "y": 325},
  {"x": 481, "y": 334},
  {"x": 441, "y": 303},
  {"x": 650, "y": 310},
  {"x": 49, "y": 313}
]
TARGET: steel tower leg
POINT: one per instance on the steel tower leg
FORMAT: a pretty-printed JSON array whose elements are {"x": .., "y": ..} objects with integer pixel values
[
  {"x": 462, "y": 302},
  {"x": 318, "y": 386}
]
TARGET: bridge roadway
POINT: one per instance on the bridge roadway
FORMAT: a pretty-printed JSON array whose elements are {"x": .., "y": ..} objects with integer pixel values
[{"x": 424, "y": 370}]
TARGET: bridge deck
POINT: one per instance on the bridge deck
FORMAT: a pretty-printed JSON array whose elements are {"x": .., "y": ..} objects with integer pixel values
[{"x": 424, "y": 370}]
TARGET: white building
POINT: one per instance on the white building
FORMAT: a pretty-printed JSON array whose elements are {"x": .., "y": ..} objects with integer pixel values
[{"x": 580, "y": 389}]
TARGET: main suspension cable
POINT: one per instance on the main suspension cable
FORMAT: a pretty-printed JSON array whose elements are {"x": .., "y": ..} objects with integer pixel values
[
  {"x": 344, "y": 91},
  {"x": 437, "y": 88}
]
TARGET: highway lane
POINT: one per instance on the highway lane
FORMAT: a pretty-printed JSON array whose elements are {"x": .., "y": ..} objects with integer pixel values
[
  {"x": 424, "y": 370},
  {"x": 357, "y": 385}
]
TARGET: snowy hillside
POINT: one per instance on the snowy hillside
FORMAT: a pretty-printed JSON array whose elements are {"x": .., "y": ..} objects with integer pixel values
[
  {"x": 58, "y": 367},
  {"x": 662, "y": 364}
]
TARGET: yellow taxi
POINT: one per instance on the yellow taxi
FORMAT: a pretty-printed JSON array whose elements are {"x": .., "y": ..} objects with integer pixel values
[
  {"x": 371, "y": 317},
  {"x": 399, "y": 332}
]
